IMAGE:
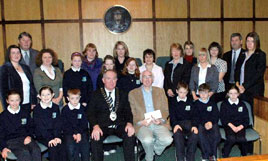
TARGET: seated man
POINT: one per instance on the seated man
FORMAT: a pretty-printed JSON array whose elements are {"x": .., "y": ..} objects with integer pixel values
[
  {"x": 153, "y": 132},
  {"x": 109, "y": 113}
]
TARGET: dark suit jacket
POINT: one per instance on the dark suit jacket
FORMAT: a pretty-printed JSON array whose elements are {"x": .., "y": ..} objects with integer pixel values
[
  {"x": 181, "y": 73},
  {"x": 228, "y": 58},
  {"x": 33, "y": 54},
  {"x": 253, "y": 73},
  {"x": 11, "y": 80},
  {"x": 98, "y": 110}
]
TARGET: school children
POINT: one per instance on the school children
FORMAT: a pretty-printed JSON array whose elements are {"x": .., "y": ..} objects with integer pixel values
[
  {"x": 47, "y": 123},
  {"x": 16, "y": 131},
  {"x": 208, "y": 130},
  {"x": 183, "y": 119},
  {"x": 75, "y": 128},
  {"x": 234, "y": 118}
]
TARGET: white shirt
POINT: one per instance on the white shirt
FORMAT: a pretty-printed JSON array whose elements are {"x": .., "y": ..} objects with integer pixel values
[
  {"x": 25, "y": 87},
  {"x": 50, "y": 75},
  {"x": 202, "y": 74},
  {"x": 74, "y": 107},
  {"x": 12, "y": 111},
  {"x": 45, "y": 106},
  {"x": 158, "y": 75},
  {"x": 112, "y": 94},
  {"x": 231, "y": 102},
  {"x": 75, "y": 69},
  {"x": 179, "y": 99},
  {"x": 237, "y": 52}
]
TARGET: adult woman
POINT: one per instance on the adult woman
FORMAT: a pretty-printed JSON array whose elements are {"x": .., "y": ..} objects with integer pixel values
[
  {"x": 121, "y": 55},
  {"x": 18, "y": 77},
  {"x": 204, "y": 72},
  {"x": 249, "y": 74},
  {"x": 177, "y": 70},
  {"x": 49, "y": 75},
  {"x": 149, "y": 64},
  {"x": 130, "y": 76},
  {"x": 189, "y": 52},
  {"x": 92, "y": 64},
  {"x": 215, "y": 52}
]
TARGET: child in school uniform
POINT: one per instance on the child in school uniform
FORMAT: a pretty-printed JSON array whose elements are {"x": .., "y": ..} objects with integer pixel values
[
  {"x": 78, "y": 78},
  {"x": 47, "y": 123},
  {"x": 208, "y": 130},
  {"x": 235, "y": 119},
  {"x": 183, "y": 119},
  {"x": 75, "y": 128},
  {"x": 16, "y": 131}
]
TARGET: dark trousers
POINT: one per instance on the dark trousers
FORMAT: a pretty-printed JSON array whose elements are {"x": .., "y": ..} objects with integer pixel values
[
  {"x": 209, "y": 140},
  {"x": 73, "y": 149},
  {"x": 55, "y": 153},
  {"x": 29, "y": 152},
  {"x": 128, "y": 143},
  {"x": 181, "y": 137},
  {"x": 233, "y": 138}
]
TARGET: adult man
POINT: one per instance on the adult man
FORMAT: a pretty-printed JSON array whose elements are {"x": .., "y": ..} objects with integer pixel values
[
  {"x": 28, "y": 54},
  {"x": 232, "y": 57},
  {"x": 153, "y": 133},
  {"x": 109, "y": 113}
]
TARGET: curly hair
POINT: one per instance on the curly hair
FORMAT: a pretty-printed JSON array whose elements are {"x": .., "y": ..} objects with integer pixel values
[{"x": 39, "y": 61}]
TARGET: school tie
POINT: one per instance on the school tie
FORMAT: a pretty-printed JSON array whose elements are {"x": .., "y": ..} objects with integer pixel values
[{"x": 26, "y": 58}]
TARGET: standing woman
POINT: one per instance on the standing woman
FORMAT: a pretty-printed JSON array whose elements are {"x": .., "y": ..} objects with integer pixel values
[
  {"x": 49, "y": 75},
  {"x": 149, "y": 64},
  {"x": 92, "y": 64},
  {"x": 17, "y": 76},
  {"x": 189, "y": 52},
  {"x": 250, "y": 70},
  {"x": 215, "y": 51},
  {"x": 204, "y": 72},
  {"x": 121, "y": 55},
  {"x": 177, "y": 70}
]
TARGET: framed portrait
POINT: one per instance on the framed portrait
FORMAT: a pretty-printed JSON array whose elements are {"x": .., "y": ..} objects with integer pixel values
[{"x": 117, "y": 19}]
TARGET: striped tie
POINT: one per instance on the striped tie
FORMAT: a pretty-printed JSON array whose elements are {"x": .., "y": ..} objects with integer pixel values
[{"x": 110, "y": 99}]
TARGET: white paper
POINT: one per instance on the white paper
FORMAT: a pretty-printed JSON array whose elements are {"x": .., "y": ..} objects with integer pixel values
[{"x": 150, "y": 115}]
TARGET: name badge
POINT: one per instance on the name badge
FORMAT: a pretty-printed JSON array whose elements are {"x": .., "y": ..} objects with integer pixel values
[
  {"x": 188, "y": 108},
  {"x": 79, "y": 116},
  {"x": 84, "y": 79},
  {"x": 209, "y": 108},
  {"x": 54, "y": 115},
  {"x": 138, "y": 82},
  {"x": 24, "y": 121},
  {"x": 240, "y": 109}
]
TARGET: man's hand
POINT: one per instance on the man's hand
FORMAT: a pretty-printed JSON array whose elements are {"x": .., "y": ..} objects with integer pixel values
[
  {"x": 156, "y": 121},
  {"x": 5, "y": 152},
  {"x": 96, "y": 133},
  {"x": 129, "y": 129},
  {"x": 170, "y": 93},
  {"x": 145, "y": 122}
]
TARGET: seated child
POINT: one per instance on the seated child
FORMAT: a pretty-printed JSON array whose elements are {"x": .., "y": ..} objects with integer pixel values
[
  {"x": 184, "y": 123},
  {"x": 208, "y": 130},
  {"x": 16, "y": 131},
  {"x": 75, "y": 127},
  {"x": 234, "y": 118},
  {"x": 47, "y": 123}
]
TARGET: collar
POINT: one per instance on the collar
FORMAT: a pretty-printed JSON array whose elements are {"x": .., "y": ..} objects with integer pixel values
[
  {"x": 75, "y": 69},
  {"x": 107, "y": 92},
  {"x": 180, "y": 61},
  {"x": 231, "y": 102},
  {"x": 43, "y": 68},
  {"x": 145, "y": 90},
  {"x": 44, "y": 106},
  {"x": 208, "y": 66},
  {"x": 183, "y": 100},
  {"x": 23, "y": 51},
  {"x": 12, "y": 111},
  {"x": 236, "y": 51},
  {"x": 74, "y": 107},
  {"x": 204, "y": 101}
]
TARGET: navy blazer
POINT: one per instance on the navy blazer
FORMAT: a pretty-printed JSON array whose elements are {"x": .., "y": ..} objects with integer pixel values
[
  {"x": 212, "y": 78},
  {"x": 11, "y": 80}
]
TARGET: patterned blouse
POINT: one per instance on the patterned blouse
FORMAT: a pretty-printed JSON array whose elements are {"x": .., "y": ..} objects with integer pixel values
[{"x": 222, "y": 67}]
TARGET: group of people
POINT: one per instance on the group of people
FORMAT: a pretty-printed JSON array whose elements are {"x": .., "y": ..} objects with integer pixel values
[{"x": 117, "y": 97}]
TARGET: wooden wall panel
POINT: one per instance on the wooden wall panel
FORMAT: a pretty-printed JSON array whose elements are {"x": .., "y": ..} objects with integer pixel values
[
  {"x": 61, "y": 9},
  {"x": 168, "y": 33},
  {"x": 13, "y": 31},
  {"x": 205, "y": 8},
  {"x": 243, "y": 27},
  {"x": 64, "y": 39},
  {"x": 171, "y": 8},
  {"x": 137, "y": 8},
  {"x": 138, "y": 38},
  {"x": 22, "y": 9},
  {"x": 2, "y": 53},
  {"x": 238, "y": 8},
  {"x": 203, "y": 33},
  {"x": 262, "y": 127},
  {"x": 262, "y": 30},
  {"x": 261, "y": 8}
]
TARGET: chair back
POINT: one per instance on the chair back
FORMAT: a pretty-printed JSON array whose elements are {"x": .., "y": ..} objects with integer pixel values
[
  {"x": 139, "y": 61},
  {"x": 162, "y": 60}
]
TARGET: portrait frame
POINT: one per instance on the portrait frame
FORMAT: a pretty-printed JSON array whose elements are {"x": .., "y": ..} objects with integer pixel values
[{"x": 117, "y": 19}]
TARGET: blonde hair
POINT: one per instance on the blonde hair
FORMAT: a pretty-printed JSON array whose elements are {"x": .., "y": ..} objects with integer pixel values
[{"x": 125, "y": 47}]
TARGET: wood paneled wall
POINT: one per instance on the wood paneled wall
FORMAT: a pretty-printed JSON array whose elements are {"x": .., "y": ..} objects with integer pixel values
[{"x": 68, "y": 25}]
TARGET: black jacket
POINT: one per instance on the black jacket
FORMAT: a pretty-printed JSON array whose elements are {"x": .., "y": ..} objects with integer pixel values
[{"x": 11, "y": 80}]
